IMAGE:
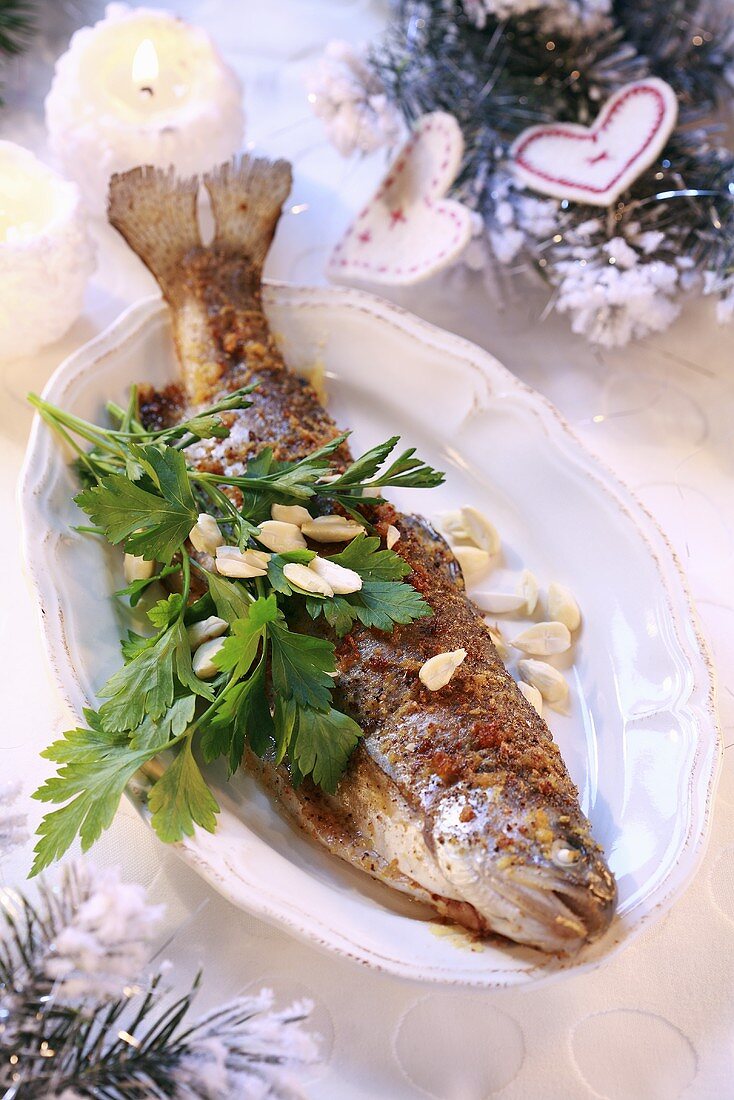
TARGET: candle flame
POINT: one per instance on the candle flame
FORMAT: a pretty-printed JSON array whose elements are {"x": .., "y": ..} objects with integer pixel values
[{"x": 145, "y": 63}]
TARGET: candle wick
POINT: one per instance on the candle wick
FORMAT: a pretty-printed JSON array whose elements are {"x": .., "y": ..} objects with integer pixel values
[{"x": 147, "y": 90}]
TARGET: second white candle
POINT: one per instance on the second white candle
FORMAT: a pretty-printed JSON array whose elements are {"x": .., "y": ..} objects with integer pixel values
[{"x": 141, "y": 87}]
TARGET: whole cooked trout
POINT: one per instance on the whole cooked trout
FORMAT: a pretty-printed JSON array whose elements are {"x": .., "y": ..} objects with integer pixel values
[{"x": 458, "y": 797}]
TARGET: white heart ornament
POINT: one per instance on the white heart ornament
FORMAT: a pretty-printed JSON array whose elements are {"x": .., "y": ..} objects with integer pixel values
[
  {"x": 596, "y": 164},
  {"x": 408, "y": 230}
]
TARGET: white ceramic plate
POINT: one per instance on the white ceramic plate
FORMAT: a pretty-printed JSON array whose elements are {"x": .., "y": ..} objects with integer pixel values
[{"x": 641, "y": 740}]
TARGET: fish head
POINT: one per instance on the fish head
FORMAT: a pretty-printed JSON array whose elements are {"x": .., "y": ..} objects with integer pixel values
[{"x": 530, "y": 868}]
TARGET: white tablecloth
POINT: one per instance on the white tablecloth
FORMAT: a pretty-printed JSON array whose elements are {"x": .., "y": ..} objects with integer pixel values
[{"x": 658, "y": 1020}]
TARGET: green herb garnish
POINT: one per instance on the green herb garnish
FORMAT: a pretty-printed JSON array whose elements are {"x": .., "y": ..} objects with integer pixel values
[{"x": 272, "y": 691}]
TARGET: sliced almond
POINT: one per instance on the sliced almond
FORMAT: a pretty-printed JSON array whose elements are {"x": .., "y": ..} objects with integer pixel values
[
  {"x": 392, "y": 536},
  {"x": 562, "y": 606},
  {"x": 137, "y": 568},
  {"x": 528, "y": 589},
  {"x": 305, "y": 578},
  {"x": 205, "y": 535},
  {"x": 497, "y": 639},
  {"x": 281, "y": 537},
  {"x": 548, "y": 680},
  {"x": 469, "y": 525},
  {"x": 370, "y": 492},
  {"x": 473, "y": 562},
  {"x": 480, "y": 531},
  {"x": 532, "y": 695},
  {"x": 203, "y": 659},
  {"x": 290, "y": 513},
  {"x": 332, "y": 529},
  {"x": 341, "y": 580},
  {"x": 498, "y": 603},
  {"x": 206, "y": 630},
  {"x": 232, "y": 562},
  {"x": 543, "y": 639},
  {"x": 436, "y": 672},
  {"x": 452, "y": 525}
]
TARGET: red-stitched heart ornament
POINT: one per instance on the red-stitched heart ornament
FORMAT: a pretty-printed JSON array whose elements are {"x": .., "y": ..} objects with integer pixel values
[
  {"x": 409, "y": 230},
  {"x": 596, "y": 164}
]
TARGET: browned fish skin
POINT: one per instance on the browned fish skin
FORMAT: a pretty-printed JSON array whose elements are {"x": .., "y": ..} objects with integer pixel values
[{"x": 473, "y": 763}]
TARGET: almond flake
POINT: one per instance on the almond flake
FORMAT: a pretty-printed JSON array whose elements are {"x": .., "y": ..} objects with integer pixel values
[
  {"x": 232, "y": 562},
  {"x": 290, "y": 513},
  {"x": 498, "y": 603},
  {"x": 203, "y": 660},
  {"x": 205, "y": 536},
  {"x": 280, "y": 537},
  {"x": 340, "y": 579},
  {"x": 528, "y": 589},
  {"x": 332, "y": 529},
  {"x": 543, "y": 639},
  {"x": 468, "y": 525},
  {"x": 436, "y": 672},
  {"x": 497, "y": 639},
  {"x": 548, "y": 680},
  {"x": 473, "y": 562},
  {"x": 306, "y": 579},
  {"x": 563, "y": 607},
  {"x": 392, "y": 536},
  {"x": 137, "y": 568},
  {"x": 533, "y": 696},
  {"x": 206, "y": 630}
]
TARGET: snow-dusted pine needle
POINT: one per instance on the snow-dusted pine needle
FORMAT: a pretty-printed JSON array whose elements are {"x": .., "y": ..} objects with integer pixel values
[
  {"x": 247, "y": 1050},
  {"x": 79, "y": 1017},
  {"x": 350, "y": 100},
  {"x": 105, "y": 943}
]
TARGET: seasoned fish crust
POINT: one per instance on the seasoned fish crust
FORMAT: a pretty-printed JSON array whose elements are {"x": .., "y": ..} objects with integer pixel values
[{"x": 458, "y": 796}]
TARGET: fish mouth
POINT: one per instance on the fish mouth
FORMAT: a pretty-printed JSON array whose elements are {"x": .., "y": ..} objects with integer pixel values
[
  {"x": 539, "y": 906},
  {"x": 556, "y": 913}
]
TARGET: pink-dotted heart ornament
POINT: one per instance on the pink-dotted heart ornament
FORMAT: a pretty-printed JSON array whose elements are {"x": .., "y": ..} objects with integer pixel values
[
  {"x": 409, "y": 230},
  {"x": 597, "y": 164}
]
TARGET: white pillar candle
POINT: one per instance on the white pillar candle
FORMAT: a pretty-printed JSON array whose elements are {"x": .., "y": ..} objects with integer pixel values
[
  {"x": 141, "y": 87},
  {"x": 46, "y": 256}
]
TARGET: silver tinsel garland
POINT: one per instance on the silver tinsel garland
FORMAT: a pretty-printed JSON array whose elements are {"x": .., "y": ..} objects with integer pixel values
[{"x": 500, "y": 66}]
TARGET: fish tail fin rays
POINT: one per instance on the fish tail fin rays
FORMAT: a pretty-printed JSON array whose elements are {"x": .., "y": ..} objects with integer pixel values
[
  {"x": 247, "y": 196},
  {"x": 156, "y": 214}
]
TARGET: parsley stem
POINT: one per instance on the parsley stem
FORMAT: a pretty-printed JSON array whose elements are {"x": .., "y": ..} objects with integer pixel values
[
  {"x": 83, "y": 456},
  {"x": 215, "y": 705},
  {"x": 128, "y": 422},
  {"x": 244, "y": 528},
  {"x": 55, "y": 417},
  {"x": 186, "y": 570},
  {"x": 267, "y": 484}
]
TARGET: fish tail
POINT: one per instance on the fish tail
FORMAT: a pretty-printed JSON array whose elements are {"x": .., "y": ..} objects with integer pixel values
[
  {"x": 247, "y": 195},
  {"x": 156, "y": 214},
  {"x": 219, "y": 326}
]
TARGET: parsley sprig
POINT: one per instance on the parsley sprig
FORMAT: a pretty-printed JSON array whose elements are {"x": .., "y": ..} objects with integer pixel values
[{"x": 273, "y": 689}]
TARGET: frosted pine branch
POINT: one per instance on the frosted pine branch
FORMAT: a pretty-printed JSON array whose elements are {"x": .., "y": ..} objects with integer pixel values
[
  {"x": 105, "y": 943},
  {"x": 349, "y": 98},
  {"x": 571, "y": 16},
  {"x": 80, "y": 1017}
]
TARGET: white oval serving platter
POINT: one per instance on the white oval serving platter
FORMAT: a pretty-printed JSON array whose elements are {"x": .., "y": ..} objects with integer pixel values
[{"x": 641, "y": 737}]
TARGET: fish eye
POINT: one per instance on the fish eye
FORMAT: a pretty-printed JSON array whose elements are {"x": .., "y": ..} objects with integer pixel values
[{"x": 564, "y": 854}]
